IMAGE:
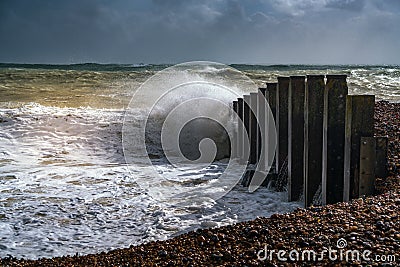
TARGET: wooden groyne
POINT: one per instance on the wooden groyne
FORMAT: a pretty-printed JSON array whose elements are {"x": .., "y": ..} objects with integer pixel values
[{"x": 326, "y": 151}]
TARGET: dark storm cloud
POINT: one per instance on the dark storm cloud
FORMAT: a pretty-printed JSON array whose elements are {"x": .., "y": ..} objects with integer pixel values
[
  {"x": 250, "y": 31},
  {"x": 51, "y": 30}
]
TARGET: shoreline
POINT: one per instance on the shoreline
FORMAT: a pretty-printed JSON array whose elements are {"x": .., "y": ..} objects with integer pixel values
[{"x": 372, "y": 224}]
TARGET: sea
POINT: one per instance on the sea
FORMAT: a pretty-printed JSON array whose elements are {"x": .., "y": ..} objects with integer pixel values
[{"x": 65, "y": 187}]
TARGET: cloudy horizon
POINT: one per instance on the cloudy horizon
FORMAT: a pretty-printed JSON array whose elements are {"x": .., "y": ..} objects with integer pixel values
[{"x": 227, "y": 31}]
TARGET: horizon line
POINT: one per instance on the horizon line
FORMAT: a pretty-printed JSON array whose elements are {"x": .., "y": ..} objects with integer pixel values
[{"x": 141, "y": 64}]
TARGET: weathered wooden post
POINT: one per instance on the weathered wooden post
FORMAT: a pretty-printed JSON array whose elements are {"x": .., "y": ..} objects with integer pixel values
[
  {"x": 272, "y": 88},
  {"x": 366, "y": 185},
  {"x": 240, "y": 129},
  {"x": 247, "y": 124},
  {"x": 253, "y": 128},
  {"x": 262, "y": 123},
  {"x": 381, "y": 165},
  {"x": 261, "y": 116},
  {"x": 235, "y": 142},
  {"x": 246, "y": 116},
  {"x": 282, "y": 94},
  {"x": 296, "y": 137},
  {"x": 333, "y": 139},
  {"x": 359, "y": 123},
  {"x": 313, "y": 131}
]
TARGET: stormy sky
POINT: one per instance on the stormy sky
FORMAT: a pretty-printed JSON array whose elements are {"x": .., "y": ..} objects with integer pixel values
[{"x": 173, "y": 31}]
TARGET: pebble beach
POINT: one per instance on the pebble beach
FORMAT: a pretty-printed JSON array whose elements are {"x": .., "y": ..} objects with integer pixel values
[{"x": 369, "y": 223}]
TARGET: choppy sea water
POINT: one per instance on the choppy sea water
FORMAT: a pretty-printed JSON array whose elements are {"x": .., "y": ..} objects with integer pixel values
[{"x": 64, "y": 186}]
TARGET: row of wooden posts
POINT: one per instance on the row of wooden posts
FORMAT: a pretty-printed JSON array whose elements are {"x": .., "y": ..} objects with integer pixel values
[{"x": 325, "y": 137}]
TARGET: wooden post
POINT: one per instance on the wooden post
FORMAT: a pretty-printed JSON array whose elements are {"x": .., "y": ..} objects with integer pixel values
[
  {"x": 272, "y": 88},
  {"x": 366, "y": 185},
  {"x": 246, "y": 115},
  {"x": 296, "y": 137},
  {"x": 235, "y": 142},
  {"x": 333, "y": 139},
  {"x": 313, "y": 130},
  {"x": 359, "y": 123},
  {"x": 240, "y": 130},
  {"x": 253, "y": 128},
  {"x": 282, "y": 94},
  {"x": 381, "y": 165},
  {"x": 262, "y": 93},
  {"x": 261, "y": 117},
  {"x": 246, "y": 122}
]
